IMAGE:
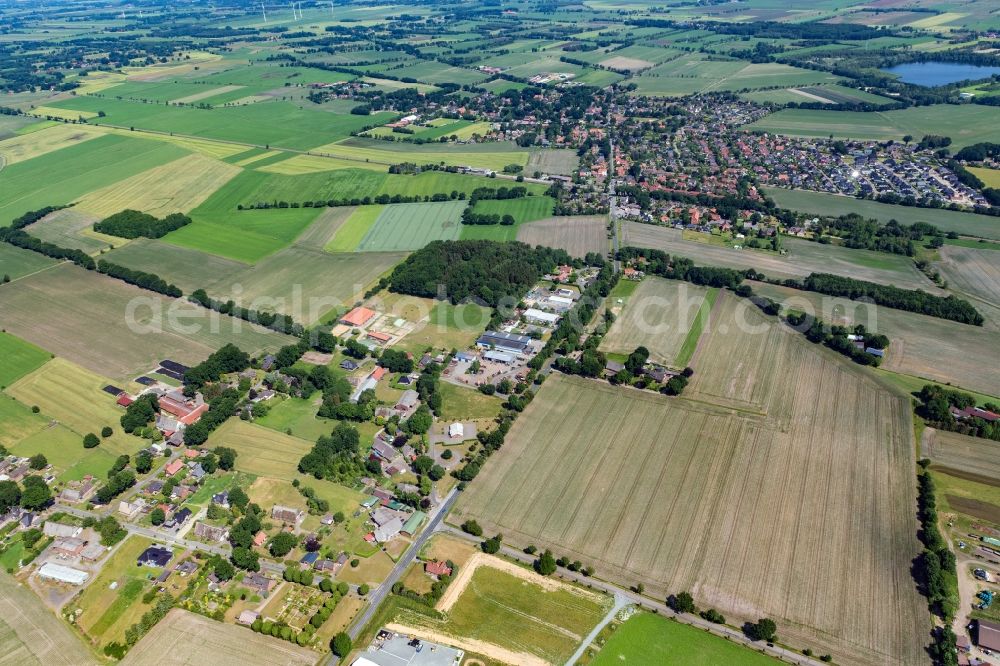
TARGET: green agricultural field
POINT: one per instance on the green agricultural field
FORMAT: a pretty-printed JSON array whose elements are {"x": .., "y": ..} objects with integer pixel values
[
  {"x": 297, "y": 417},
  {"x": 966, "y": 124},
  {"x": 401, "y": 227},
  {"x": 355, "y": 229},
  {"x": 16, "y": 262},
  {"x": 646, "y": 638},
  {"x": 695, "y": 72},
  {"x": 63, "y": 175},
  {"x": 273, "y": 123},
  {"x": 246, "y": 236},
  {"x": 526, "y": 209},
  {"x": 820, "y": 203},
  {"x": 17, "y": 421},
  {"x": 19, "y": 358}
]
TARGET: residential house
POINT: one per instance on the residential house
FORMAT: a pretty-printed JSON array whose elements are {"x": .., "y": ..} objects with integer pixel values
[
  {"x": 173, "y": 467},
  {"x": 211, "y": 532},
  {"x": 222, "y": 499},
  {"x": 407, "y": 401},
  {"x": 287, "y": 514},
  {"x": 68, "y": 546},
  {"x": 155, "y": 556},
  {"x": 258, "y": 583},
  {"x": 437, "y": 568},
  {"x": 130, "y": 509},
  {"x": 248, "y": 617},
  {"x": 54, "y": 529},
  {"x": 260, "y": 538}
]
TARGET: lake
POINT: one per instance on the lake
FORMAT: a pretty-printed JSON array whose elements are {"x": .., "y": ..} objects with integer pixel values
[{"x": 933, "y": 74}]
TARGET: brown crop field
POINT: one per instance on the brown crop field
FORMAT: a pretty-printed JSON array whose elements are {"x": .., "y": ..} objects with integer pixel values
[
  {"x": 31, "y": 634},
  {"x": 920, "y": 346},
  {"x": 972, "y": 272},
  {"x": 577, "y": 234},
  {"x": 83, "y": 316},
  {"x": 183, "y": 638},
  {"x": 962, "y": 455},
  {"x": 804, "y": 257},
  {"x": 780, "y": 485},
  {"x": 657, "y": 316},
  {"x": 72, "y": 227},
  {"x": 175, "y": 187}
]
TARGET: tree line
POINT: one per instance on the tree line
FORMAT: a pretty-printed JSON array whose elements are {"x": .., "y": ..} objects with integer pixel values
[
  {"x": 275, "y": 321},
  {"x": 356, "y": 201}
]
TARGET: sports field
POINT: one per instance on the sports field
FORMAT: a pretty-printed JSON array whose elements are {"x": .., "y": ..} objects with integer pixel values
[
  {"x": 921, "y": 346},
  {"x": 176, "y": 187},
  {"x": 495, "y": 603},
  {"x": 577, "y": 234},
  {"x": 673, "y": 492},
  {"x": 401, "y": 227},
  {"x": 821, "y": 203},
  {"x": 261, "y": 451},
  {"x": 84, "y": 317},
  {"x": 658, "y": 316},
  {"x": 646, "y": 638},
  {"x": 803, "y": 257},
  {"x": 31, "y": 634},
  {"x": 966, "y": 124},
  {"x": 207, "y": 641}
]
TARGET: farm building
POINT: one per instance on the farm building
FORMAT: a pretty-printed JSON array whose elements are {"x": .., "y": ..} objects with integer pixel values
[
  {"x": 388, "y": 531},
  {"x": 379, "y": 337},
  {"x": 358, "y": 317},
  {"x": 413, "y": 523},
  {"x": 536, "y": 316},
  {"x": 499, "y": 357},
  {"x": 62, "y": 574},
  {"x": 68, "y": 546},
  {"x": 247, "y": 617},
  {"x": 287, "y": 514},
  {"x": 508, "y": 342}
]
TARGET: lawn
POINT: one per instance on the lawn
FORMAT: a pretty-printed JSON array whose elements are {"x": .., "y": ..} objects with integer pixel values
[
  {"x": 463, "y": 404},
  {"x": 19, "y": 358},
  {"x": 296, "y": 416},
  {"x": 60, "y": 176},
  {"x": 448, "y": 327},
  {"x": 526, "y": 209},
  {"x": 401, "y": 227},
  {"x": 646, "y": 638},
  {"x": 17, "y": 421},
  {"x": 261, "y": 451},
  {"x": 64, "y": 450}
]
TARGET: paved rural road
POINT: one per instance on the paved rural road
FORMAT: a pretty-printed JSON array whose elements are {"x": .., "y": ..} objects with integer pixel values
[
  {"x": 734, "y": 635},
  {"x": 621, "y": 601},
  {"x": 378, "y": 595},
  {"x": 613, "y": 212},
  {"x": 154, "y": 534}
]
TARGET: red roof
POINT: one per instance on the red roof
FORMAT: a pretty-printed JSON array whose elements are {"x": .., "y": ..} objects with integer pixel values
[
  {"x": 260, "y": 538},
  {"x": 437, "y": 568},
  {"x": 358, "y": 317},
  {"x": 378, "y": 335},
  {"x": 125, "y": 401},
  {"x": 173, "y": 467},
  {"x": 191, "y": 453},
  {"x": 378, "y": 373}
]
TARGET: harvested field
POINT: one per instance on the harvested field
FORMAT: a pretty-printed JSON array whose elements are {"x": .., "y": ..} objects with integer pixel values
[
  {"x": 577, "y": 234},
  {"x": 804, "y": 257},
  {"x": 555, "y": 161},
  {"x": 72, "y": 227},
  {"x": 211, "y": 92},
  {"x": 206, "y": 641},
  {"x": 18, "y": 262},
  {"x": 83, "y": 316},
  {"x": 961, "y": 453},
  {"x": 974, "y": 273},
  {"x": 323, "y": 228},
  {"x": 26, "y": 146},
  {"x": 657, "y": 316},
  {"x": 177, "y": 187},
  {"x": 31, "y": 634},
  {"x": 670, "y": 492},
  {"x": 626, "y": 64},
  {"x": 921, "y": 346}
]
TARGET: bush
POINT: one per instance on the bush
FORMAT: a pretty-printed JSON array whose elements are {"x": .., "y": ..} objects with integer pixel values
[
  {"x": 106, "y": 431},
  {"x": 90, "y": 440},
  {"x": 341, "y": 644},
  {"x": 472, "y": 527}
]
